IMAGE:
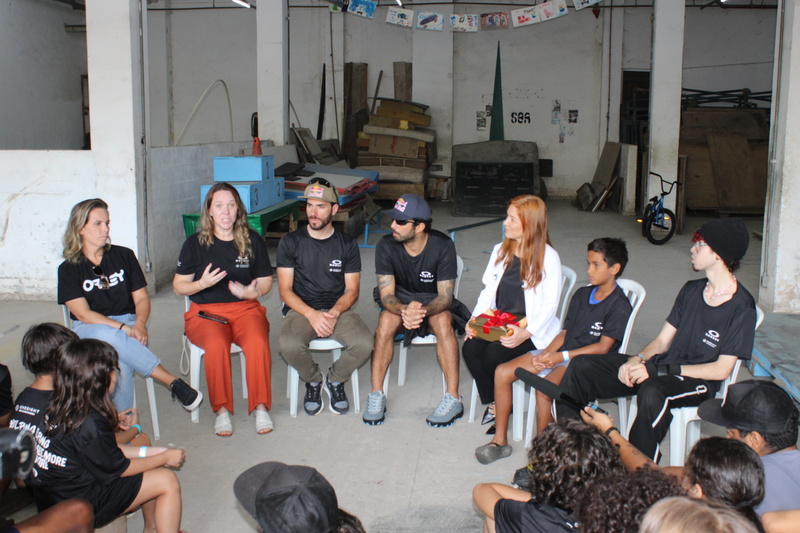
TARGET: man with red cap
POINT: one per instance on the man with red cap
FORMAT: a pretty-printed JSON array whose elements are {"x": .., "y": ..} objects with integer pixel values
[{"x": 711, "y": 325}]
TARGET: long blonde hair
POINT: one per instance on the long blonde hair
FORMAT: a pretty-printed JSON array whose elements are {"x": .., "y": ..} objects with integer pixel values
[
  {"x": 78, "y": 218},
  {"x": 530, "y": 248},
  {"x": 241, "y": 231}
]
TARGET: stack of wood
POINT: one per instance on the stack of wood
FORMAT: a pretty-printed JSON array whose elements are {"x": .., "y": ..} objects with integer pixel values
[{"x": 397, "y": 143}]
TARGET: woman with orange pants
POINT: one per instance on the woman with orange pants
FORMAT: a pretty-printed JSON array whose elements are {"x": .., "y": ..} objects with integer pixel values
[{"x": 224, "y": 269}]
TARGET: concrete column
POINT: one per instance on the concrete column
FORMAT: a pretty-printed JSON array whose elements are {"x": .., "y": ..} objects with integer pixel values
[
  {"x": 666, "y": 72},
  {"x": 432, "y": 60},
  {"x": 780, "y": 255},
  {"x": 114, "y": 59},
  {"x": 272, "y": 78}
]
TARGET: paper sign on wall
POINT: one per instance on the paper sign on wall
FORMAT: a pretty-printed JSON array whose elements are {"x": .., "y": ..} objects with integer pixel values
[
  {"x": 400, "y": 17},
  {"x": 464, "y": 23},
  {"x": 553, "y": 9},
  {"x": 362, "y": 8},
  {"x": 525, "y": 16},
  {"x": 580, "y": 4},
  {"x": 430, "y": 21},
  {"x": 493, "y": 21}
]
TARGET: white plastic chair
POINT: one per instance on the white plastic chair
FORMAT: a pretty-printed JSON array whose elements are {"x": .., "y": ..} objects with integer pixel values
[
  {"x": 418, "y": 341},
  {"x": 568, "y": 279},
  {"x": 293, "y": 378},
  {"x": 195, "y": 358},
  {"x": 684, "y": 430},
  {"x": 151, "y": 389}
]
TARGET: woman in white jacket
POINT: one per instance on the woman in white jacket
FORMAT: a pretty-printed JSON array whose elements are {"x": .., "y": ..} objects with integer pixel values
[{"x": 523, "y": 277}]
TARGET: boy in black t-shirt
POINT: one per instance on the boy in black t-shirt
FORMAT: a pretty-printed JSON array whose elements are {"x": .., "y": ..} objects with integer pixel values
[
  {"x": 416, "y": 270},
  {"x": 319, "y": 273},
  {"x": 712, "y": 323},
  {"x": 595, "y": 324}
]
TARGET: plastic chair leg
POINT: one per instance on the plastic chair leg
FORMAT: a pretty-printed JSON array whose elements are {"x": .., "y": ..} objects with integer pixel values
[{"x": 151, "y": 397}]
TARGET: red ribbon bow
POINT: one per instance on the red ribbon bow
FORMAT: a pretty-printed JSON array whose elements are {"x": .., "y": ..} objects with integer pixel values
[{"x": 500, "y": 320}]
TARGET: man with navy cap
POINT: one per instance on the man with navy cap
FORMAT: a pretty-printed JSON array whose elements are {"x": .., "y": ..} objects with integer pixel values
[
  {"x": 711, "y": 325},
  {"x": 763, "y": 416},
  {"x": 416, "y": 270}
]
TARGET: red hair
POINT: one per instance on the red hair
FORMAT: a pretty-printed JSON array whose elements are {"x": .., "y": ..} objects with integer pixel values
[{"x": 530, "y": 248}]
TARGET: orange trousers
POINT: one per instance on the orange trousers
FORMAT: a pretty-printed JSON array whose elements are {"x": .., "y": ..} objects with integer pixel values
[{"x": 248, "y": 327}]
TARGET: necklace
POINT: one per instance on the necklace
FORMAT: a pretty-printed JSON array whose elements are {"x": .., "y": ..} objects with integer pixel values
[{"x": 711, "y": 296}]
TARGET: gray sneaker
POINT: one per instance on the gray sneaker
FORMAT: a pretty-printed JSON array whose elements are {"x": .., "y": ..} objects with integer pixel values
[
  {"x": 375, "y": 410},
  {"x": 312, "y": 403},
  {"x": 450, "y": 409},
  {"x": 338, "y": 403}
]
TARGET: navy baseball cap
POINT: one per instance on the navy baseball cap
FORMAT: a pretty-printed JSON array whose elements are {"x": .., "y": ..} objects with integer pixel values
[
  {"x": 410, "y": 207},
  {"x": 752, "y": 405}
]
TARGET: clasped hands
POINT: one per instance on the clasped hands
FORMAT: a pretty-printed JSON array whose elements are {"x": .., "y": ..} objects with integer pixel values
[
  {"x": 323, "y": 322},
  {"x": 633, "y": 372},
  {"x": 413, "y": 315}
]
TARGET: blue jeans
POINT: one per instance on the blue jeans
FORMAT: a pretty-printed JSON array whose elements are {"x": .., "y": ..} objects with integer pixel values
[{"x": 133, "y": 355}]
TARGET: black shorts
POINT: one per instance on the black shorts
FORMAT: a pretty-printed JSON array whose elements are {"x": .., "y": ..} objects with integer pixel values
[{"x": 110, "y": 501}]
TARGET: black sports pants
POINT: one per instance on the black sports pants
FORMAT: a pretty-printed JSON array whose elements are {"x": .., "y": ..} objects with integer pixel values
[{"x": 594, "y": 377}]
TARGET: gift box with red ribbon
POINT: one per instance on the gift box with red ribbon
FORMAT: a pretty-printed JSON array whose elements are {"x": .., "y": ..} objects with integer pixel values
[{"x": 493, "y": 324}]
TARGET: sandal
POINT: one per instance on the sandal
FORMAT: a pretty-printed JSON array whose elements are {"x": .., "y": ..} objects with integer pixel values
[
  {"x": 488, "y": 414},
  {"x": 223, "y": 426},
  {"x": 489, "y": 453},
  {"x": 263, "y": 422}
]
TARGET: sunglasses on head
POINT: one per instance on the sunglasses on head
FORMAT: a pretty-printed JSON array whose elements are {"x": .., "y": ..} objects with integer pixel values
[
  {"x": 321, "y": 181},
  {"x": 97, "y": 270}
]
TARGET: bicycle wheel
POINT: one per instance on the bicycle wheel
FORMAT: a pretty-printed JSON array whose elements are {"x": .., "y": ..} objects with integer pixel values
[{"x": 660, "y": 226}]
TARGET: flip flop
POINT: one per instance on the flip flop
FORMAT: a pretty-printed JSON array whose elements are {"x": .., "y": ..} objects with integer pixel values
[
  {"x": 489, "y": 453},
  {"x": 223, "y": 426},
  {"x": 263, "y": 422},
  {"x": 488, "y": 414}
]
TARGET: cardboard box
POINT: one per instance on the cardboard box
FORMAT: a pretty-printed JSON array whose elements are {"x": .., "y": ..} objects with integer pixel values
[
  {"x": 494, "y": 332},
  {"x": 244, "y": 168},
  {"x": 256, "y": 195},
  {"x": 368, "y": 159},
  {"x": 395, "y": 146}
]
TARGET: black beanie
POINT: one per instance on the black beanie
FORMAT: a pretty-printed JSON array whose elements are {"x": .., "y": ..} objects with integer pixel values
[{"x": 727, "y": 237}]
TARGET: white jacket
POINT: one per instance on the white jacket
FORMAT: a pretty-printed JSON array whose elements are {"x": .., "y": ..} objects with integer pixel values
[{"x": 541, "y": 301}]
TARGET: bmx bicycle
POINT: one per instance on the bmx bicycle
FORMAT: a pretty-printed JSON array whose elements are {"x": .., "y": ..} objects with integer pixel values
[{"x": 658, "y": 222}]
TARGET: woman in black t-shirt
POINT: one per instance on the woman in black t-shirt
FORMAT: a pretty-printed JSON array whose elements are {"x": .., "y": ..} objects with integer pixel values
[
  {"x": 523, "y": 278},
  {"x": 104, "y": 289},
  {"x": 84, "y": 460},
  {"x": 224, "y": 269}
]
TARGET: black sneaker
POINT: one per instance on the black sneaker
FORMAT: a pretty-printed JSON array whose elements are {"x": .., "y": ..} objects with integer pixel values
[
  {"x": 338, "y": 403},
  {"x": 312, "y": 403},
  {"x": 190, "y": 399},
  {"x": 522, "y": 478}
]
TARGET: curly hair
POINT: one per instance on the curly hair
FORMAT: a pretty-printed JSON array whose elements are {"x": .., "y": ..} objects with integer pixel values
[
  {"x": 78, "y": 218},
  {"x": 241, "y": 230},
  {"x": 566, "y": 456},
  {"x": 82, "y": 382},
  {"x": 533, "y": 217},
  {"x": 617, "y": 503},
  {"x": 728, "y": 471}
]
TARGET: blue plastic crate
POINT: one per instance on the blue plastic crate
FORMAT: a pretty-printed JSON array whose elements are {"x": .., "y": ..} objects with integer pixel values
[
  {"x": 256, "y": 195},
  {"x": 240, "y": 168}
]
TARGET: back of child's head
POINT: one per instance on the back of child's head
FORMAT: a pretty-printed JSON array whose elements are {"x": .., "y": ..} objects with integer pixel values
[
  {"x": 614, "y": 251},
  {"x": 82, "y": 381},
  {"x": 40, "y": 347}
]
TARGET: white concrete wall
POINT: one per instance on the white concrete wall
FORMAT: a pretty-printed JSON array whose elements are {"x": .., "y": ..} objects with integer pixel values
[
  {"x": 42, "y": 66},
  {"x": 38, "y": 188},
  {"x": 723, "y": 48}
]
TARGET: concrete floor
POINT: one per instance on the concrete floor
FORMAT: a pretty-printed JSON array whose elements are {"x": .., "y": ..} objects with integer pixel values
[{"x": 402, "y": 476}]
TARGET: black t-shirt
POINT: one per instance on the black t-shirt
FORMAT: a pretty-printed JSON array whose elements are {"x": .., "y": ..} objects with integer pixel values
[
  {"x": 119, "y": 264},
  {"x": 706, "y": 332},
  {"x": 319, "y": 265},
  {"x": 194, "y": 258},
  {"x": 6, "y": 400},
  {"x": 587, "y": 322},
  {"x": 533, "y": 516},
  {"x": 420, "y": 274},
  {"x": 29, "y": 410},
  {"x": 510, "y": 295}
]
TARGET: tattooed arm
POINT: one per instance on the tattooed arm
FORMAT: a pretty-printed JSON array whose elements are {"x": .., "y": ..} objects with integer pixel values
[
  {"x": 443, "y": 300},
  {"x": 386, "y": 288}
]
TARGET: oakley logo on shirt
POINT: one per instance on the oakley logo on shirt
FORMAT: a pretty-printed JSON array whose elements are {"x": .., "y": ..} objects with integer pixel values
[
  {"x": 426, "y": 277},
  {"x": 711, "y": 338},
  {"x": 597, "y": 329},
  {"x": 242, "y": 262},
  {"x": 335, "y": 266},
  {"x": 113, "y": 280}
]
